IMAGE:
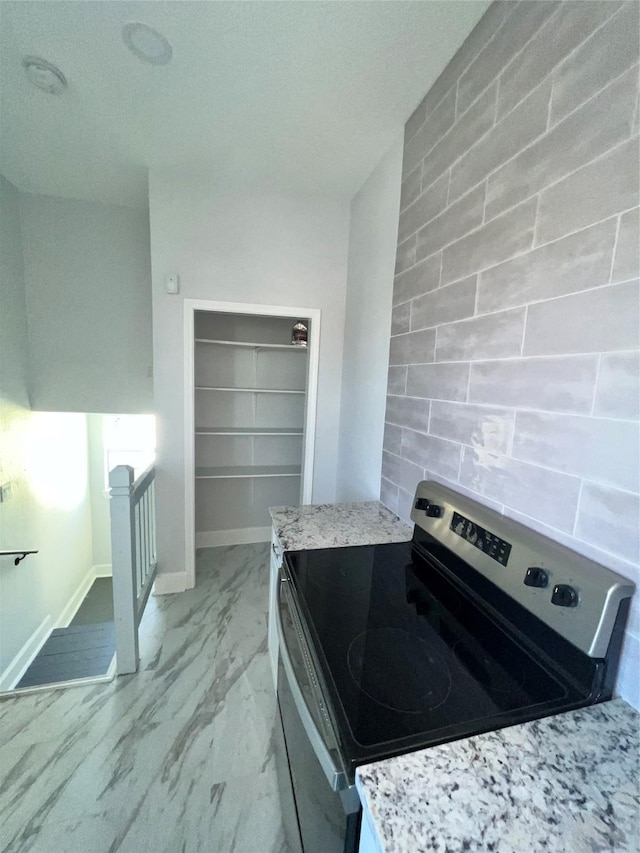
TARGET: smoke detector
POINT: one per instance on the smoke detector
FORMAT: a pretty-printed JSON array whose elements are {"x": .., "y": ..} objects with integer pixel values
[
  {"x": 147, "y": 44},
  {"x": 44, "y": 75}
]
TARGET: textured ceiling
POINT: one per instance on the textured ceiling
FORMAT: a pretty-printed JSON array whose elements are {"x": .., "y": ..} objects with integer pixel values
[{"x": 302, "y": 96}]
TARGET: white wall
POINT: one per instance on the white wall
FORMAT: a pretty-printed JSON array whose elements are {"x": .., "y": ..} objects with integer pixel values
[
  {"x": 48, "y": 510},
  {"x": 14, "y": 363},
  {"x": 43, "y": 473},
  {"x": 261, "y": 248},
  {"x": 88, "y": 300},
  {"x": 372, "y": 250},
  {"x": 100, "y": 517}
]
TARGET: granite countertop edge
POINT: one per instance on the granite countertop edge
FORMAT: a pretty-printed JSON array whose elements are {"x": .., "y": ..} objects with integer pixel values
[
  {"x": 337, "y": 525},
  {"x": 566, "y": 783}
]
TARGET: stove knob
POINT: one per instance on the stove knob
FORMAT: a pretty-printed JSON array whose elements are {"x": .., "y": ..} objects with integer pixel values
[
  {"x": 434, "y": 511},
  {"x": 536, "y": 577},
  {"x": 564, "y": 596}
]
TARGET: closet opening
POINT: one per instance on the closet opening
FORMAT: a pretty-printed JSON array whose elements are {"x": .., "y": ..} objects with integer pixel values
[{"x": 250, "y": 422}]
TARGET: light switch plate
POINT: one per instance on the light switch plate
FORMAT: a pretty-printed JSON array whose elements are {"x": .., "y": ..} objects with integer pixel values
[{"x": 172, "y": 284}]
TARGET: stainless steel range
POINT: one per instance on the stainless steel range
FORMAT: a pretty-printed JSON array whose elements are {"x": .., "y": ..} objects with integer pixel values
[{"x": 476, "y": 624}]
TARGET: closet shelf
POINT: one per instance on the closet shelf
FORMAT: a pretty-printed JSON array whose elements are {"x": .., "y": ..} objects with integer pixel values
[
  {"x": 249, "y": 430},
  {"x": 250, "y": 345},
  {"x": 250, "y": 390},
  {"x": 247, "y": 471}
]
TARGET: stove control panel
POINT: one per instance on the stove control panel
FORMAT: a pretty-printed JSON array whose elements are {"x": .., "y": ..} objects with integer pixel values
[
  {"x": 486, "y": 542},
  {"x": 576, "y": 597}
]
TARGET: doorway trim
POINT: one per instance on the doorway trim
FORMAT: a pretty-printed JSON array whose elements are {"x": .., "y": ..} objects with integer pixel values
[{"x": 311, "y": 402}]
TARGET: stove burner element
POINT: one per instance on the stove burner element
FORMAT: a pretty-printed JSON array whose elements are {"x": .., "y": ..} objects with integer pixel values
[
  {"x": 504, "y": 675},
  {"x": 398, "y": 670}
]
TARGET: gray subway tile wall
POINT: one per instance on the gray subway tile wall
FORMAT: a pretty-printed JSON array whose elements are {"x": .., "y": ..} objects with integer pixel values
[
  {"x": 444, "y": 305},
  {"x": 564, "y": 266},
  {"x": 505, "y": 139},
  {"x": 523, "y": 486},
  {"x": 406, "y": 255},
  {"x": 417, "y": 280},
  {"x": 503, "y": 237},
  {"x": 598, "y": 320},
  {"x": 397, "y": 380},
  {"x": 442, "y": 381},
  {"x": 626, "y": 260},
  {"x": 477, "y": 120},
  {"x": 515, "y": 349},
  {"x": 570, "y": 25},
  {"x": 576, "y": 140},
  {"x": 412, "y": 347},
  {"x": 591, "y": 194},
  {"x": 400, "y": 316},
  {"x": 445, "y": 454},
  {"x": 617, "y": 389},
  {"x": 479, "y": 37},
  {"x": 490, "y": 428},
  {"x": 497, "y": 335},
  {"x": 611, "y": 518},
  {"x": 600, "y": 59},
  {"x": 440, "y": 120},
  {"x": 392, "y": 438},
  {"x": 425, "y": 207},
  {"x": 523, "y": 383},
  {"x": 456, "y": 221},
  {"x": 515, "y": 34}
]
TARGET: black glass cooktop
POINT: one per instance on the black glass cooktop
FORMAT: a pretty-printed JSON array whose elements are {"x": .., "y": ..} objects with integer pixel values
[{"x": 408, "y": 659}]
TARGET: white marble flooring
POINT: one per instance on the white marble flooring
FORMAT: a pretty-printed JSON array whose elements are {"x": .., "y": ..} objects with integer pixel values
[{"x": 176, "y": 759}]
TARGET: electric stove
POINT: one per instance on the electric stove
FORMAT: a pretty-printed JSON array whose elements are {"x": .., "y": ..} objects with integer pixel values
[{"x": 475, "y": 624}]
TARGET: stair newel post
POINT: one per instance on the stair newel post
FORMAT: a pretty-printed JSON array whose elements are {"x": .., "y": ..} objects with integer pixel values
[{"x": 123, "y": 556}]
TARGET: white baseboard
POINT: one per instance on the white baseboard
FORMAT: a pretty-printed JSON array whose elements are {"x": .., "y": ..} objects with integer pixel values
[
  {"x": 169, "y": 583},
  {"x": 73, "y": 605},
  {"x": 241, "y": 536},
  {"x": 22, "y": 661},
  {"x": 103, "y": 570}
]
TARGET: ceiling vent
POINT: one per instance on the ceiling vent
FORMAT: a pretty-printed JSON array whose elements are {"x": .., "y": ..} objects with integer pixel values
[
  {"x": 44, "y": 75},
  {"x": 147, "y": 44}
]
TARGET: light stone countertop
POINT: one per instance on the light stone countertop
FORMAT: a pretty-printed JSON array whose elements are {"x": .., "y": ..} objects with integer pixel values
[
  {"x": 336, "y": 525},
  {"x": 563, "y": 784}
]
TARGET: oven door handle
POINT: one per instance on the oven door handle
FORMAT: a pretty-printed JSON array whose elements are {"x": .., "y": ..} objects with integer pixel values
[{"x": 335, "y": 775}]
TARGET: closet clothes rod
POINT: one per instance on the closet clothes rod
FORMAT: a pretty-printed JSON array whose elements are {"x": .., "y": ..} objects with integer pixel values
[
  {"x": 252, "y": 345},
  {"x": 251, "y": 390}
]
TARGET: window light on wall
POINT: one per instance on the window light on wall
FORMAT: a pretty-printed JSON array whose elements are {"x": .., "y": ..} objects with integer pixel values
[{"x": 128, "y": 440}]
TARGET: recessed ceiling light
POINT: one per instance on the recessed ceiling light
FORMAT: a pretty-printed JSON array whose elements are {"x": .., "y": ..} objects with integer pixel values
[
  {"x": 44, "y": 75},
  {"x": 146, "y": 43}
]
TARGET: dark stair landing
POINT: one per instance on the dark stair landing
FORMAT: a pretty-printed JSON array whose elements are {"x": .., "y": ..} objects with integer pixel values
[
  {"x": 84, "y": 649},
  {"x": 97, "y": 605}
]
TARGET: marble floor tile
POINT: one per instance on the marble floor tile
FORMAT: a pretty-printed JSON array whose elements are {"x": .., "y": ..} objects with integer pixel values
[
  {"x": 238, "y": 816},
  {"x": 178, "y": 757}
]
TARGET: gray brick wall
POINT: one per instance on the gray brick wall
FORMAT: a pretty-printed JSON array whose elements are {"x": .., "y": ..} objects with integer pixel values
[{"x": 514, "y": 351}]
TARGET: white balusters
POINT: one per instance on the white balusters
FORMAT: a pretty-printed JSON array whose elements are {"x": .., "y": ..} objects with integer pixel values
[{"x": 133, "y": 554}]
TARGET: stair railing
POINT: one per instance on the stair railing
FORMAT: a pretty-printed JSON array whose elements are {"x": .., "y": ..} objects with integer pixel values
[{"x": 133, "y": 556}]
